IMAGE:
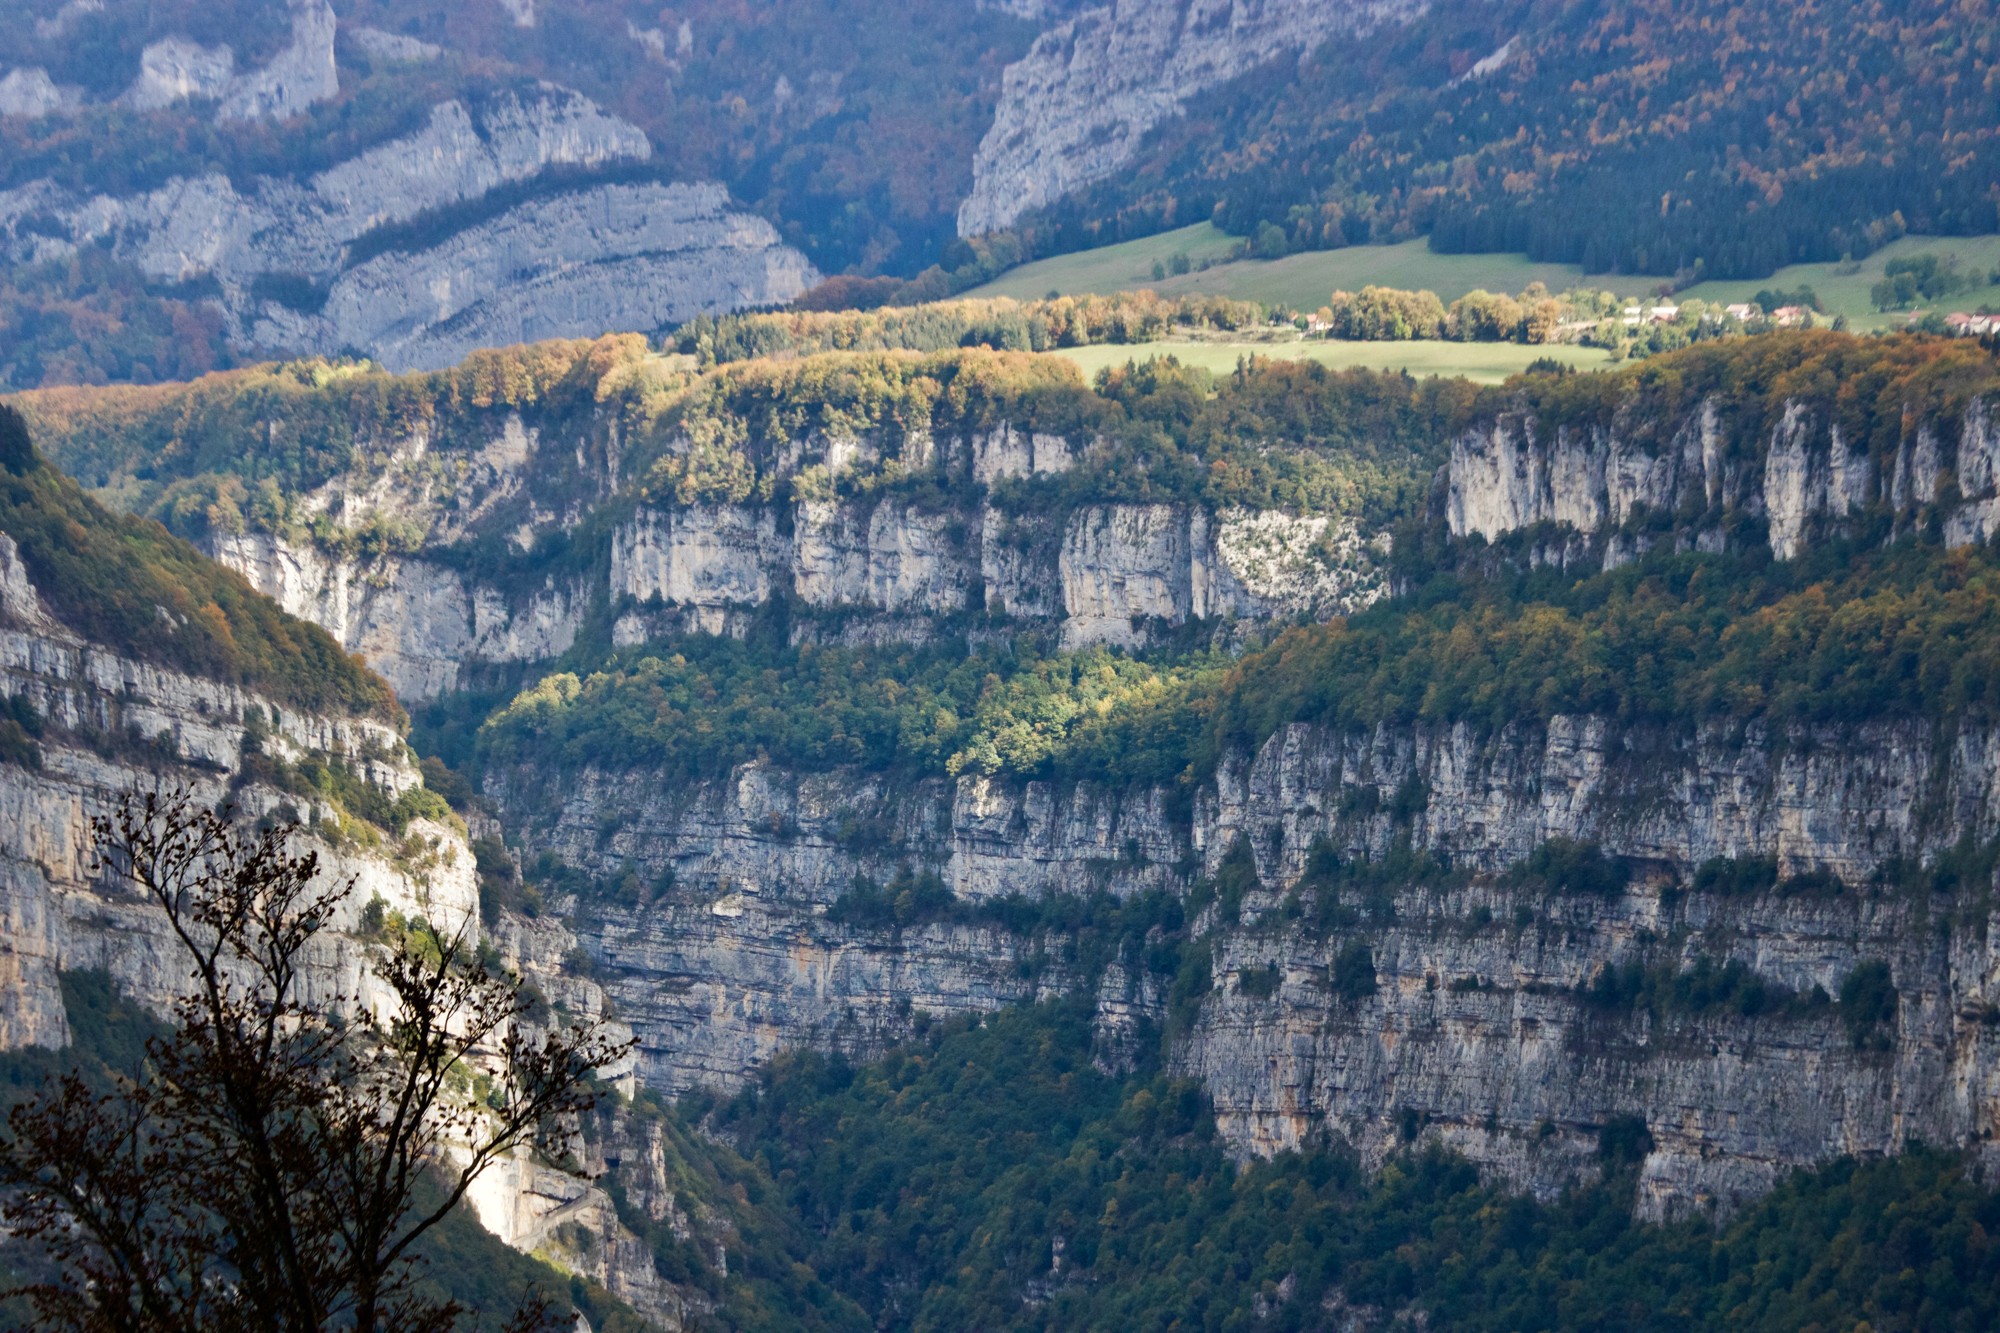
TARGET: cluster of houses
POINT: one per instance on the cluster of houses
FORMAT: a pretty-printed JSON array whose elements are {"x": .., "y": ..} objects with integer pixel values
[
  {"x": 1785, "y": 316},
  {"x": 1972, "y": 326}
]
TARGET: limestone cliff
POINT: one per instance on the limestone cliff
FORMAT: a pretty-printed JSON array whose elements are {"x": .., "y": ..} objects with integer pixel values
[
  {"x": 110, "y": 723},
  {"x": 428, "y": 553},
  {"x": 89, "y": 722},
  {"x": 1467, "y": 996},
  {"x": 314, "y": 265},
  {"x": 1077, "y": 106},
  {"x": 1478, "y": 1011},
  {"x": 1801, "y": 476}
]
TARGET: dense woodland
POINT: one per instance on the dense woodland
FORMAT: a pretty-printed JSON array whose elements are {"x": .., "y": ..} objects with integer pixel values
[
  {"x": 990, "y": 1175},
  {"x": 121, "y": 580},
  {"x": 1707, "y": 139}
]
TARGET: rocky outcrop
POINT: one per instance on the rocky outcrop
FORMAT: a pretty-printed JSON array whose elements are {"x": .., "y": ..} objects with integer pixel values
[
  {"x": 608, "y": 259},
  {"x": 29, "y": 92},
  {"x": 1476, "y": 1028},
  {"x": 1108, "y": 572},
  {"x": 1078, "y": 105},
  {"x": 177, "y": 70},
  {"x": 1802, "y": 478},
  {"x": 297, "y": 77},
  {"x": 574, "y": 259}
]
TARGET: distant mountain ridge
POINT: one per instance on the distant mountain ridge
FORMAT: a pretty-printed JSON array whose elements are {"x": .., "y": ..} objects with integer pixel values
[{"x": 163, "y": 162}]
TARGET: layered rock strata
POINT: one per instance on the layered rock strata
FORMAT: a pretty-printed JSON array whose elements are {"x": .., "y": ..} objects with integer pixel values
[
  {"x": 306, "y": 265},
  {"x": 878, "y": 566},
  {"x": 110, "y": 724}
]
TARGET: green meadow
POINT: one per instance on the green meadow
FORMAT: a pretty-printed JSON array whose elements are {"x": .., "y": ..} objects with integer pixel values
[
  {"x": 1304, "y": 281},
  {"x": 1484, "y": 363}
]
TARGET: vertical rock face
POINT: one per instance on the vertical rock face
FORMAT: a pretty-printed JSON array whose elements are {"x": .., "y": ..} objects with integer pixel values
[
  {"x": 1478, "y": 1010},
  {"x": 896, "y": 558},
  {"x": 111, "y": 724},
  {"x": 1123, "y": 564},
  {"x": 422, "y": 623},
  {"x": 1474, "y": 1019},
  {"x": 1475, "y": 1007},
  {"x": 1482, "y": 1037},
  {"x": 709, "y": 560},
  {"x": 177, "y": 70},
  {"x": 1114, "y": 571},
  {"x": 1076, "y": 107},
  {"x": 1804, "y": 477}
]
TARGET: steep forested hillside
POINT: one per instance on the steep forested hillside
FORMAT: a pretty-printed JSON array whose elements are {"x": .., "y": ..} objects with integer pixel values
[
  {"x": 125, "y": 581},
  {"x": 1717, "y": 140},
  {"x": 1713, "y": 138},
  {"x": 1427, "y": 794}
]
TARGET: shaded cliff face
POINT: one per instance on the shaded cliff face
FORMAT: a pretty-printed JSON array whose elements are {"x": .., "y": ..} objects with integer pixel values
[
  {"x": 1078, "y": 106},
  {"x": 1708, "y": 469},
  {"x": 105, "y": 723},
  {"x": 1382, "y": 940},
  {"x": 85, "y": 722}
]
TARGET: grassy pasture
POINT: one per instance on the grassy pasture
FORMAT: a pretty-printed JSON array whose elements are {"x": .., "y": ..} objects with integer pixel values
[
  {"x": 1304, "y": 281},
  {"x": 1484, "y": 363}
]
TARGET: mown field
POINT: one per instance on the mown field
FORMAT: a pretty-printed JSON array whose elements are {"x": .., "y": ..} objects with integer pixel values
[
  {"x": 1483, "y": 363},
  {"x": 1843, "y": 288},
  {"x": 1304, "y": 281}
]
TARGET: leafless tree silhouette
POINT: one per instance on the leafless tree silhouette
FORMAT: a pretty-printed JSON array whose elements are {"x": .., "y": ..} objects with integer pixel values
[{"x": 268, "y": 1169}]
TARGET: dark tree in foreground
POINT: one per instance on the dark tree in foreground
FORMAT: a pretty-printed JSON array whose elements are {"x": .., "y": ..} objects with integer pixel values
[{"x": 278, "y": 1159}]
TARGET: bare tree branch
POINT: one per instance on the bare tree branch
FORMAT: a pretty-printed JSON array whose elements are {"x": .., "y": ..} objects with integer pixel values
[{"x": 264, "y": 1172}]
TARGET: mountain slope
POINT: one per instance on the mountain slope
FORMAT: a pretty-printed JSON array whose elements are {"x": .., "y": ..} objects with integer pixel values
[
  {"x": 888, "y": 672},
  {"x": 186, "y": 187},
  {"x": 1713, "y": 139}
]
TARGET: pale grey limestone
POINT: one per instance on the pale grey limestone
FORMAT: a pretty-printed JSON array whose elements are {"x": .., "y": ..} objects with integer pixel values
[{"x": 1077, "y": 107}]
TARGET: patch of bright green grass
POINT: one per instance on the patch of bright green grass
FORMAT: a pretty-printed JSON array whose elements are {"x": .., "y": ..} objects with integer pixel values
[
  {"x": 1127, "y": 266},
  {"x": 1302, "y": 281},
  {"x": 1843, "y": 288},
  {"x": 1484, "y": 363}
]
